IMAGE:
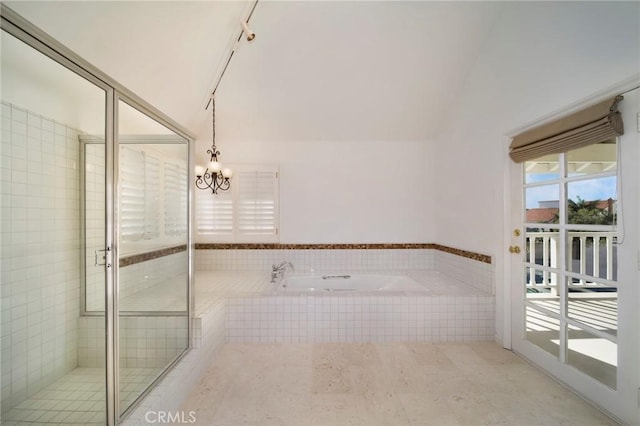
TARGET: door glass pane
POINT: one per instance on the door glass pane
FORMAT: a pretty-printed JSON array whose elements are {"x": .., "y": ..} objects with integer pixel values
[
  {"x": 542, "y": 169},
  {"x": 542, "y": 309},
  {"x": 592, "y": 201},
  {"x": 153, "y": 263},
  {"x": 542, "y": 288},
  {"x": 542, "y": 204},
  {"x": 594, "y": 304},
  {"x": 597, "y": 158},
  {"x": 542, "y": 330},
  {"x": 542, "y": 246},
  {"x": 593, "y": 355},
  {"x": 593, "y": 253},
  {"x": 53, "y": 363}
]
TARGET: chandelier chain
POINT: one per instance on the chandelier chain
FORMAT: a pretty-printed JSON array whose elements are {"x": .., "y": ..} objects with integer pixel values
[{"x": 213, "y": 121}]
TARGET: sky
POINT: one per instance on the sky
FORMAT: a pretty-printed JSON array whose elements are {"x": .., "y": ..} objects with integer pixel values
[{"x": 589, "y": 190}]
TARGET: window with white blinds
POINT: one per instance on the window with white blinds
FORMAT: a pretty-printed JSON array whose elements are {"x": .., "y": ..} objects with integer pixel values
[
  {"x": 247, "y": 212},
  {"x": 214, "y": 213},
  {"x": 132, "y": 203},
  {"x": 153, "y": 195},
  {"x": 175, "y": 199},
  {"x": 256, "y": 202}
]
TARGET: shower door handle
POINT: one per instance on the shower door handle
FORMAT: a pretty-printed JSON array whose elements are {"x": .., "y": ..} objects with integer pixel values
[{"x": 97, "y": 260}]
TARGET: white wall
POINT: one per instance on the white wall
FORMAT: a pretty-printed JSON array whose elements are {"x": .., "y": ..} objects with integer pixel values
[
  {"x": 540, "y": 58},
  {"x": 346, "y": 192}
]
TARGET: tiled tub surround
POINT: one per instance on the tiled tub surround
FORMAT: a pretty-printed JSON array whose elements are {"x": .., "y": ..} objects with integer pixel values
[
  {"x": 448, "y": 311},
  {"x": 470, "y": 268},
  {"x": 458, "y": 306}
]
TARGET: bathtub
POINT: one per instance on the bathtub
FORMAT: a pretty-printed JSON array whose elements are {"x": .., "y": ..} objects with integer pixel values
[{"x": 347, "y": 283}]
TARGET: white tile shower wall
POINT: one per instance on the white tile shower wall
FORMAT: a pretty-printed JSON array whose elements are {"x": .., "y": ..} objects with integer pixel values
[
  {"x": 281, "y": 319},
  {"x": 40, "y": 252},
  {"x": 174, "y": 388},
  {"x": 472, "y": 272},
  {"x": 91, "y": 342},
  {"x": 310, "y": 260},
  {"x": 150, "y": 342}
]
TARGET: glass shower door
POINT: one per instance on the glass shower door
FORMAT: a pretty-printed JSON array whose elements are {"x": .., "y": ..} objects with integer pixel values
[{"x": 153, "y": 265}]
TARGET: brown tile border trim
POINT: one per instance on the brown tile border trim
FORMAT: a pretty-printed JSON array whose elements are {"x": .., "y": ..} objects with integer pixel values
[
  {"x": 464, "y": 253},
  {"x": 143, "y": 257},
  {"x": 390, "y": 246},
  {"x": 278, "y": 246}
]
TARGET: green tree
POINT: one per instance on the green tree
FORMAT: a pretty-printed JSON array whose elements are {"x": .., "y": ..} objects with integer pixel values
[
  {"x": 582, "y": 212},
  {"x": 588, "y": 213}
]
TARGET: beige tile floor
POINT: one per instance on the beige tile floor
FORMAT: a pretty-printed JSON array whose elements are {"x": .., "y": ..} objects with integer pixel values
[{"x": 381, "y": 384}]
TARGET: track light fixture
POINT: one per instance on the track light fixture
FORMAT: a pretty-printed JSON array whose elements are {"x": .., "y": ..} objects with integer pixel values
[
  {"x": 244, "y": 30},
  {"x": 247, "y": 31}
]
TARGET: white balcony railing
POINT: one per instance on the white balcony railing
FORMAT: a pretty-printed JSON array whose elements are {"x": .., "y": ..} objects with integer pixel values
[{"x": 592, "y": 255}]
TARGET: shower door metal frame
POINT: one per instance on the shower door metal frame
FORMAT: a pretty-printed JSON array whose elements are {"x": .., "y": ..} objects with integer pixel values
[{"x": 17, "y": 26}]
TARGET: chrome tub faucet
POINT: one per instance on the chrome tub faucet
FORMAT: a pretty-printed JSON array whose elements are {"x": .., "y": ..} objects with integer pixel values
[{"x": 278, "y": 271}]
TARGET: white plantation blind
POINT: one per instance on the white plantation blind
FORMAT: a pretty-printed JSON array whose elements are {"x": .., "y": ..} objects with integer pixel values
[
  {"x": 247, "y": 212},
  {"x": 139, "y": 195},
  {"x": 257, "y": 192},
  {"x": 151, "y": 196},
  {"x": 175, "y": 199},
  {"x": 132, "y": 199},
  {"x": 214, "y": 213}
]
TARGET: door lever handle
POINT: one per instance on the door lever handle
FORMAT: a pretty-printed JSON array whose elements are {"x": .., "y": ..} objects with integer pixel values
[{"x": 98, "y": 258}]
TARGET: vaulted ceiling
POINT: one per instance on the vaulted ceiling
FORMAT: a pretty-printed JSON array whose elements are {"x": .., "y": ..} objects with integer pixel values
[{"x": 316, "y": 70}]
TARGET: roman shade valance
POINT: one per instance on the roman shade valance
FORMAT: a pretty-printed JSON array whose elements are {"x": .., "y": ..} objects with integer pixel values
[{"x": 591, "y": 125}]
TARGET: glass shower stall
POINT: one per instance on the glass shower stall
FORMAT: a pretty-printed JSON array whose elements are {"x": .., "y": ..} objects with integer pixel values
[{"x": 95, "y": 254}]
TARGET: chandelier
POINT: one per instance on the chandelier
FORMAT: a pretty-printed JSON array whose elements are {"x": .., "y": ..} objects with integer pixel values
[{"x": 214, "y": 177}]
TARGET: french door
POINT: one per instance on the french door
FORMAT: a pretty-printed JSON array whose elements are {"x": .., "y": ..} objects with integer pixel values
[{"x": 574, "y": 266}]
